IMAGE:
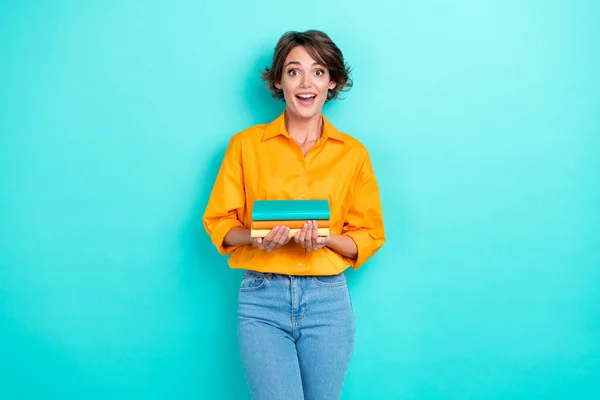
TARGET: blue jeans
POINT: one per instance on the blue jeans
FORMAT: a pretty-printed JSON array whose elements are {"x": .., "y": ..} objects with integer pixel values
[{"x": 295, "y": 335}]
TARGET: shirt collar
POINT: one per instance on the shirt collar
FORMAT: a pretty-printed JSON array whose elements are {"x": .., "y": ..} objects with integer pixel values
[{"x": 277, "y": 127}]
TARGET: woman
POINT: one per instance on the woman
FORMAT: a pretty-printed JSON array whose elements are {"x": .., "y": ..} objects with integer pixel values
[{"x": 295, "y": 318}]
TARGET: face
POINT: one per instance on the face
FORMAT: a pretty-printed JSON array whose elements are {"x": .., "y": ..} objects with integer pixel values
[{"x": 305, "y": 83}]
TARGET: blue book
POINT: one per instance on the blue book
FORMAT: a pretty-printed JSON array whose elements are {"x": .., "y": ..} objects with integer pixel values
[{"x": 269, "y": 210}]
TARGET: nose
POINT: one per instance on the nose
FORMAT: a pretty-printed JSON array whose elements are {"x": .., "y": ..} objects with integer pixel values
[{"x": 304, "y": 82}]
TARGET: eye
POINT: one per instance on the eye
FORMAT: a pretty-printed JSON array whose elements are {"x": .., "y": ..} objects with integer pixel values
[
  {"x": 319, "y": 72},
  {"x": 293, "y": 72}
]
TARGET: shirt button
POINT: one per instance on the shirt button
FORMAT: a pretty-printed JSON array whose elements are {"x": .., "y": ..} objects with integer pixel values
[
  {"x": 300, "y": 265},
  {"x": 302, "y": 195}
]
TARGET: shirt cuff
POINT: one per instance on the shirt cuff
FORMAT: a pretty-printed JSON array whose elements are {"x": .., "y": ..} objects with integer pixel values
[
  {"x": 363, "y": 241},
  {"x": 219, "y": 233}
]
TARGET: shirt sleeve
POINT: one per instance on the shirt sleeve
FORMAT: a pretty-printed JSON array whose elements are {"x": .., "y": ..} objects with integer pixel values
[
  {"x": 227, "y": 202},
  {"x": 364, "y": 221}
]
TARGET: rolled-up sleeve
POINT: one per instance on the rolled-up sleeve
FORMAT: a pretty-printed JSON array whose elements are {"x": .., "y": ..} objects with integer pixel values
[
  {"x": 226, "y": 204},
  {"x": 364, "y": 221}
]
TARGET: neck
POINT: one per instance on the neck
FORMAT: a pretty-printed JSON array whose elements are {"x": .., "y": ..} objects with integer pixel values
[{"x": 304, "y": 130}]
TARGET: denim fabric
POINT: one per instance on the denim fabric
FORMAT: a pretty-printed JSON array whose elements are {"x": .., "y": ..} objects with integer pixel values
[{"x": 295, "y": 335}]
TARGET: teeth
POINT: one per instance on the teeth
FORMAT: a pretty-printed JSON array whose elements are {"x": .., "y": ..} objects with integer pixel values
[{"x": 306, "y": 96}]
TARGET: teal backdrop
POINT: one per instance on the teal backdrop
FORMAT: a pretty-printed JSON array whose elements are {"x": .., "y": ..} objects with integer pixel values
[{"x": 483, "y": 122}]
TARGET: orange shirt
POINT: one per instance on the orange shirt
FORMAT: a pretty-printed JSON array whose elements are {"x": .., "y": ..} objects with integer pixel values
[{"x": 264, "y": 162}]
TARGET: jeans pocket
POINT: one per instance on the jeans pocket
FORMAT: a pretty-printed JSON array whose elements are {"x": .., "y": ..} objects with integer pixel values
[
  {"x": 252, "y": 280},
  {"x": 330, "y": 280}
]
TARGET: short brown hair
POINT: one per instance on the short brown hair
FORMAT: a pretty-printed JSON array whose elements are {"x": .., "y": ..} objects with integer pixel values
[{"x": 321, "y": 48}]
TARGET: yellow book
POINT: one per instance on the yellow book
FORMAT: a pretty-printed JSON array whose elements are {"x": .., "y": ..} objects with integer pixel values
[{"x": 265, "y": 232}]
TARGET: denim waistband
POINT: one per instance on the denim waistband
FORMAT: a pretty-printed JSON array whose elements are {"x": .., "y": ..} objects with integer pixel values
[{"x": 271, "y": 275}]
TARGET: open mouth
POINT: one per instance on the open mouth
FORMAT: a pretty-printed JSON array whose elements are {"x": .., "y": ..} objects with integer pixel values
[{"x": 306, "y": 99}]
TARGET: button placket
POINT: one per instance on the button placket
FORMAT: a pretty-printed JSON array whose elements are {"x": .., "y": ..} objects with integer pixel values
[{"x": 304, "y": 186}]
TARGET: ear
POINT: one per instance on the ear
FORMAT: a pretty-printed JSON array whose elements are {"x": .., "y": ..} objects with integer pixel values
[
  {"x": 277, "y": 85},
  {"x": 332, "y": 85}
]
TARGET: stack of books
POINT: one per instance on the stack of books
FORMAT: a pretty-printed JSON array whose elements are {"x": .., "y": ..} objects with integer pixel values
[{"x": 267, "y": 214}]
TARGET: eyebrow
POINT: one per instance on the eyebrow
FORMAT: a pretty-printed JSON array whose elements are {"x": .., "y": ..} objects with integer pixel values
[{"x": 298, "y": 63}]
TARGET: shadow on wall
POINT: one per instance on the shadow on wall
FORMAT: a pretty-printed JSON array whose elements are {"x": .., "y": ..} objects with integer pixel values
[
  {"x": 263, "y": 108},
  {"x": 211, "y": 286},
  {"x": 210, "y": 290}
]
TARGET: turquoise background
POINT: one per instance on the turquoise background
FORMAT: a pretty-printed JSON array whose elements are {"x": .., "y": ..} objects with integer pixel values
[{"x": 483, "y": 122}]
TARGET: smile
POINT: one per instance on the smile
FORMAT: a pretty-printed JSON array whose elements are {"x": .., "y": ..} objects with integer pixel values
[{"x": 306, "y": 99}]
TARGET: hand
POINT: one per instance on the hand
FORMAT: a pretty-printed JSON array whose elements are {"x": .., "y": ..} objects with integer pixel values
[
  {"x": 278, "y": 236},
  {"x": 309, "y": 237}
]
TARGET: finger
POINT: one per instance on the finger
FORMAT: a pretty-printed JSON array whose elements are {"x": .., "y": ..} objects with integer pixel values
[
  {"x": 307, "y": 236},
  {"x": 285, "y": 238},
  {"x": 323, "y": 240},
  {"x": 278, "y": 238},
  {"x": 314, "y": 234},
  {"x": 302, "y": 234},
  {"x": 272, "y": 236},
  {"x": 267, "y": 240},
  {"x": 284, "y": 235}
]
